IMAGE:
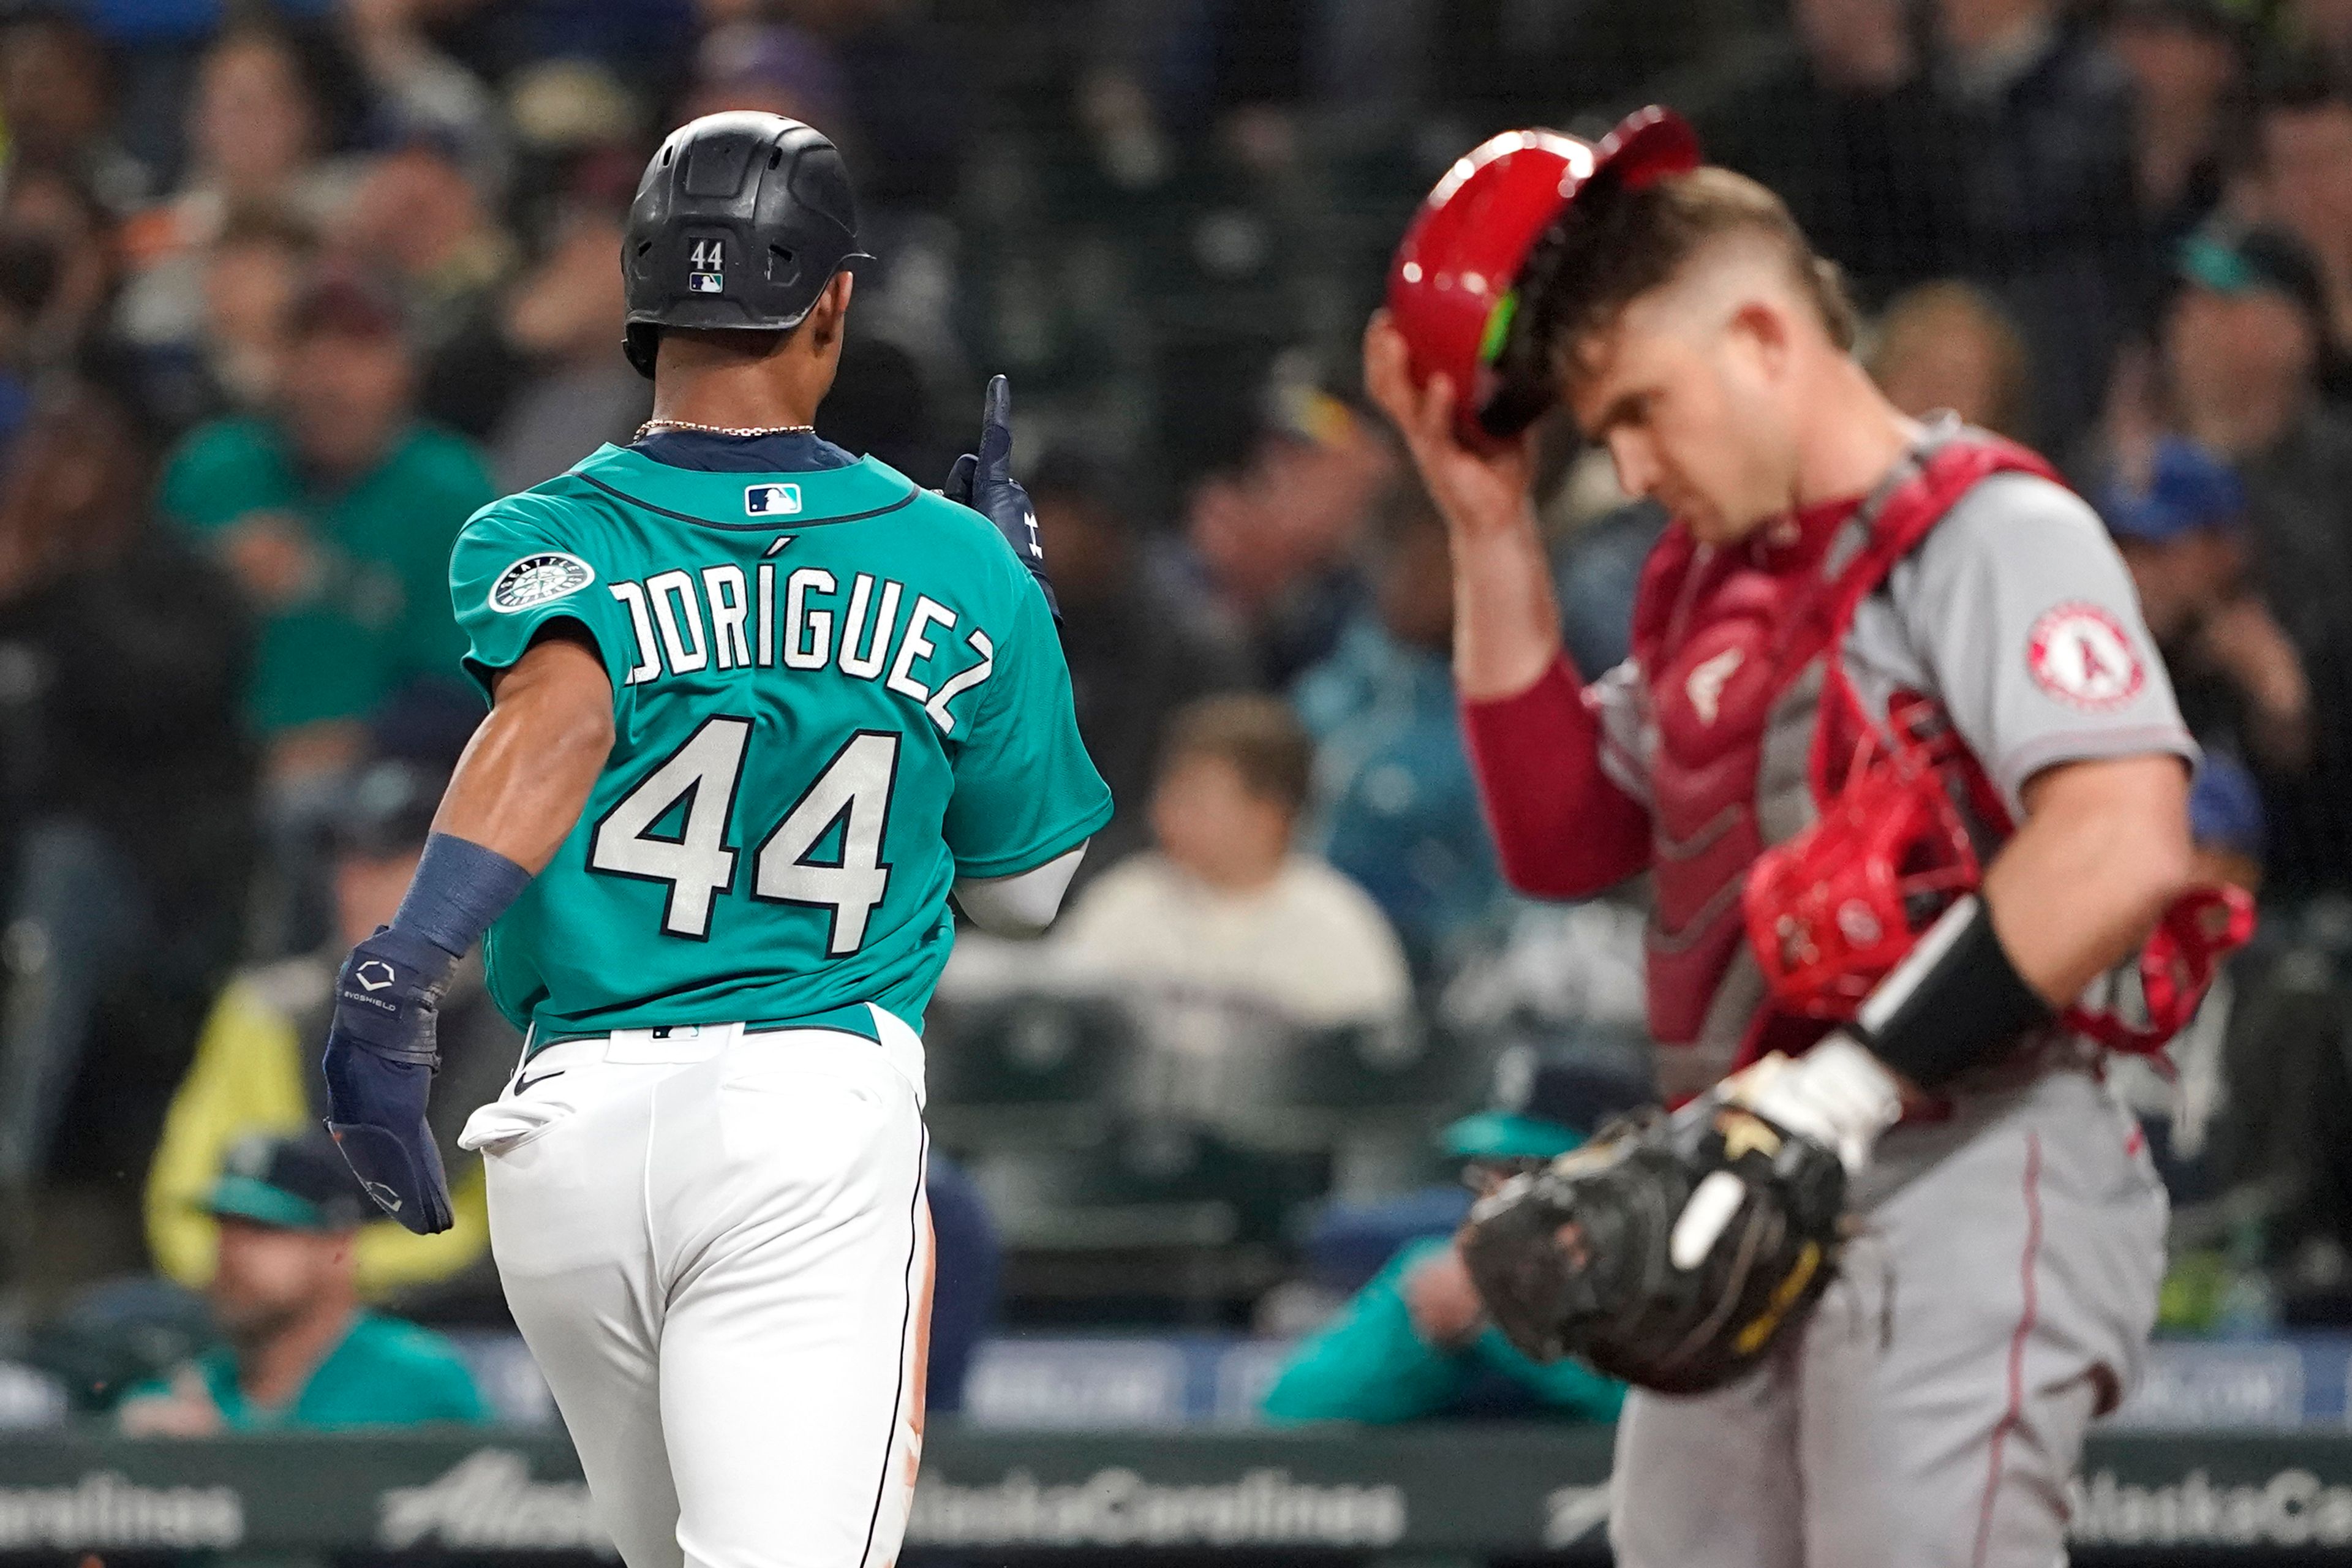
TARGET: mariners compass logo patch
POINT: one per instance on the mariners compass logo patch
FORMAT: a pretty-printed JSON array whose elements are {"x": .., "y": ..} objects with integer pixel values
[{"x": 536, "y": 579}]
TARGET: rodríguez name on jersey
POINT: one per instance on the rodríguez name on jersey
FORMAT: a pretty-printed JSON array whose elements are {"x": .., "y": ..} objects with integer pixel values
[{"x": 805, "y": 618}]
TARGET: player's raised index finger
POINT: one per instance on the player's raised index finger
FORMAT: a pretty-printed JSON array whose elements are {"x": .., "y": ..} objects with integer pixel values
[{"x": 997, "y": 423}]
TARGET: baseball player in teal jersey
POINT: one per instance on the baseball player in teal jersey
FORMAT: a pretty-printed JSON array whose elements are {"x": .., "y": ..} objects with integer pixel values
[{"x": 758, "y": 708}]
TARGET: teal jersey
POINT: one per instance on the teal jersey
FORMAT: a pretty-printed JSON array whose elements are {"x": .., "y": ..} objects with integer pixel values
[
  {"x": 1369, "y": 1363},
  {"x": 385, "y": 1373},
  {"x": 833, "y": 692}
]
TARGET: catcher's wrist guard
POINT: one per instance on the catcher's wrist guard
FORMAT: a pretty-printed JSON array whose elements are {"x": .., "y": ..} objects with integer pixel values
[
  {"x": 1955, "y": 999},
  {"x": 1671, "y": 1253}
]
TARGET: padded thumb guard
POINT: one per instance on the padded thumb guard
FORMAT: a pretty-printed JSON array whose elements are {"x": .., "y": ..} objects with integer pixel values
[{"x": 387, "y": 1167}]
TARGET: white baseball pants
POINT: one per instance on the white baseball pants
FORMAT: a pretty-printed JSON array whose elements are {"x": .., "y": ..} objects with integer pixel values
[{"x": 717, "y": 1247}]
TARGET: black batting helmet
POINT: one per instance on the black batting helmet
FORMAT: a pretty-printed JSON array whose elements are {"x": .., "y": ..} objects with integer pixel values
[{"x": 739, "y": 222}]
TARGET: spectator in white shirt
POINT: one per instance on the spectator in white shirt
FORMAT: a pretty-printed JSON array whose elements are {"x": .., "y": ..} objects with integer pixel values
[{"x": 1225, "y": 908}]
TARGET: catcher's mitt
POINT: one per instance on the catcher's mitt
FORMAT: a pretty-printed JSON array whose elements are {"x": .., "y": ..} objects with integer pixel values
[{"x": 1667, "y": 1252}]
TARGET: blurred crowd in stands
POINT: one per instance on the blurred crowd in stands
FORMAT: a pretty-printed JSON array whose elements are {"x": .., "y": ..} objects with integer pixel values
[{"x": 288, "y": 289}]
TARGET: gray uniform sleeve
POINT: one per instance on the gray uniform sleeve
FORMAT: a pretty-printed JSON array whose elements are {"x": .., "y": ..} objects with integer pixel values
[{"x": 2030, "y": 631}]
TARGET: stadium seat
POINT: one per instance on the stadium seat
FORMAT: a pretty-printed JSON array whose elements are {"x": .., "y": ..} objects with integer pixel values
[
  {"x": 1025, "y": 1070},
  {"x": 1367, "y": 1096},
  {"x": 1146, "y": 1219}
]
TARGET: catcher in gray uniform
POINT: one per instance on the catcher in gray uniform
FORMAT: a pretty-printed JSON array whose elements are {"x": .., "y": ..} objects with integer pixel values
[{"x": 1896, "y": 753}]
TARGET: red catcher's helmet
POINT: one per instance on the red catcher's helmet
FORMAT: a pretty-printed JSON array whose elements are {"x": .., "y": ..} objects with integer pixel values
[{"x": 1454, "y": 284}]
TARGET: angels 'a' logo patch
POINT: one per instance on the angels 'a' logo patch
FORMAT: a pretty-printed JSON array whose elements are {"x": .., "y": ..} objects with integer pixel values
[
  {"x": 536, "y": 579},
  {"x": 2080, "y": 653}
]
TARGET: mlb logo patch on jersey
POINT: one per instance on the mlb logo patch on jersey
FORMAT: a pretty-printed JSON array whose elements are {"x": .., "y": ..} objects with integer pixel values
[
  {"x": 536, "y": 579},
  {"x": 770, "y": 500}
]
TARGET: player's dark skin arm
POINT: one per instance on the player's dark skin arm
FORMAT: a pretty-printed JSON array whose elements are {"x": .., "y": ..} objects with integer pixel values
[
  {"x": 2103, "y": 849},
  {"x": 526, "y": 774}
]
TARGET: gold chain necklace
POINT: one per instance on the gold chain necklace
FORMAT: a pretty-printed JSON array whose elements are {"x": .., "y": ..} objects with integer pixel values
[{"x": 650, "y": 425}]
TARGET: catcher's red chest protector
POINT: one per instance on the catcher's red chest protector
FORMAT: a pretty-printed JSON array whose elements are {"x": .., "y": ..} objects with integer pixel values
[{"x": 1757, "y": 727}]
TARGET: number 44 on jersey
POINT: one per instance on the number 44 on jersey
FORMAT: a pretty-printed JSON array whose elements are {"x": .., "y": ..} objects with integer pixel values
[{"x": 852, "y": 792}]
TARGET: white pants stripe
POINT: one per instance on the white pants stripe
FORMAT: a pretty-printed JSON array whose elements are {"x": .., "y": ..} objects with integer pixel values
[{"x": 717, "y": 1245}]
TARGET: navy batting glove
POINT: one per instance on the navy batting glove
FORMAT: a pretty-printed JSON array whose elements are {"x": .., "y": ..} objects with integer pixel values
[
  {"x": 380, "y": 1057},
  {"x": 984, "y": 482}
]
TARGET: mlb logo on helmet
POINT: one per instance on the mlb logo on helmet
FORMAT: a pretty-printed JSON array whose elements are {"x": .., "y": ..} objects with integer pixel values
[{"x": 770, "y": 500}]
